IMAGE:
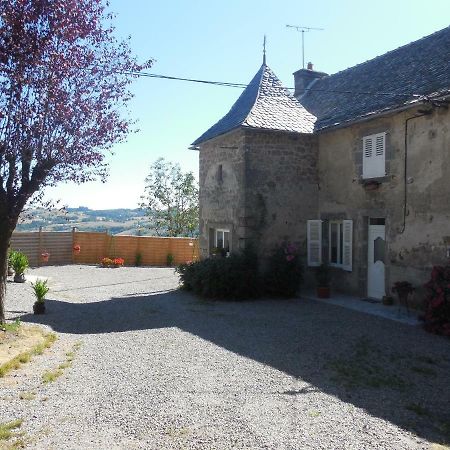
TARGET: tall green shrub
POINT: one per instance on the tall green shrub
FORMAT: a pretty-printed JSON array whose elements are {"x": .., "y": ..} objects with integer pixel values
[{"x": 235, "y": 277}]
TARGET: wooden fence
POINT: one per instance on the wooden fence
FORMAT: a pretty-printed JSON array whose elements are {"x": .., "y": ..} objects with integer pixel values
[{"x": 152, "y": 251}]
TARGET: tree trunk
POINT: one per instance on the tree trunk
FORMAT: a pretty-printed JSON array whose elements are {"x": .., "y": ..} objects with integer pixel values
[{"x": 5, "y": 237}]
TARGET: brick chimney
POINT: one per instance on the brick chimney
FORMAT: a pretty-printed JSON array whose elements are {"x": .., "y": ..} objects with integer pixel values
[{"x": 304, "y": 78}]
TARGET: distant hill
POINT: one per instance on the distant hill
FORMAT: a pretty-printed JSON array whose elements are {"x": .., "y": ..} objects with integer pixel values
[{"x": 115, "y": 221}]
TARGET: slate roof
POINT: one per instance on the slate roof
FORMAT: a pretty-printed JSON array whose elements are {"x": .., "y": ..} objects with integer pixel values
[
  {"x": 421, "y": 67},
  {"x": 264, "y": 104}
]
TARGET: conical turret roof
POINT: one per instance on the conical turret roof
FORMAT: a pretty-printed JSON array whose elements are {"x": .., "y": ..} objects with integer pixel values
[{"x": 264, "y": 104}]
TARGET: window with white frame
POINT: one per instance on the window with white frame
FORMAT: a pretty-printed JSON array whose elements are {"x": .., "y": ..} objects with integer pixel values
[
  {"x": 340, "y": 240},
  {"x": 222, "y": 239},
  {"x": 374, "y": 155}
]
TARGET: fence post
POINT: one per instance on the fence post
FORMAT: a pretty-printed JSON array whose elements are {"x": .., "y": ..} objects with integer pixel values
[
  {"x": 74, "y": 229},
  {"x": 39, "y": 247},
  {"x": 106, "y": 249}
]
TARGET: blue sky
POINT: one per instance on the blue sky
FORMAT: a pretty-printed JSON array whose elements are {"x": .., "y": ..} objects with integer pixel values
[{"x": 223, "y": 41}]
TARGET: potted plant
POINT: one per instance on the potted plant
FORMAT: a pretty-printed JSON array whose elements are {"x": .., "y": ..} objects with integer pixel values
[
  {"x": 403, "y": 289},
  {"x": 40, "y": 289},
  {"x": 45, "y": 256},
  {"x": 118, "y": 262},
  {"x": 323, "y": 281},
  {"x": 19, "y": 262}
]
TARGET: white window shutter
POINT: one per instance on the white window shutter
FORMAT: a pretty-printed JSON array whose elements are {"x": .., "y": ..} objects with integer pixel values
[
  {"x": 314, "y": 236},
  {"x": 367, "y": 155},
  {"x": 347, "y": 247},
  {"x": 374, "y": 155}
]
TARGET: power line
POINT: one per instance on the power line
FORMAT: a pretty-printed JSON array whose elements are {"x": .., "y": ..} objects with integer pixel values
[
  {"x": 243, "y": 86},
  {"x": 192, "y": 80}
]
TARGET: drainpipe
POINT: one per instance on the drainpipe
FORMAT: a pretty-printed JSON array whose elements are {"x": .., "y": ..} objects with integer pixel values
[{"x": 405, "y": 171}]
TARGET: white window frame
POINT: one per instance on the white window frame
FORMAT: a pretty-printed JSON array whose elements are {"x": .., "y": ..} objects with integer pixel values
[
  {"x": 344, "y": 226},
  {"x": 345, "y": 249},
  {"x": 374, "y": 165},
  {"x": 222, "y": 230}
]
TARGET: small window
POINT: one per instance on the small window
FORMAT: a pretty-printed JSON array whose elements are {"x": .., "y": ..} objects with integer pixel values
[
  {"x": 336, "y": 243},
  {"x": 340, "y": 240},
  {"x": 374, "y": 156},
  {"x": 220, "y": 173},
  {"x": 223, "y": 240}
]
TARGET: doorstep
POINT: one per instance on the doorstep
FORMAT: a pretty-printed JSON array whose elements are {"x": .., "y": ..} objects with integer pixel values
[{"x": 393, "y": 312}]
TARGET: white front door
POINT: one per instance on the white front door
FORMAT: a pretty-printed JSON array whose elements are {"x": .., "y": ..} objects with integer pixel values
[{"x": 375, "y": 276}]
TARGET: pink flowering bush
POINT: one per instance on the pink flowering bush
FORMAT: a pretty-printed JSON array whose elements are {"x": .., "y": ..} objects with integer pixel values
[
  {"x": 437, "y": 303},
  {"x": 284, "y": 271}
]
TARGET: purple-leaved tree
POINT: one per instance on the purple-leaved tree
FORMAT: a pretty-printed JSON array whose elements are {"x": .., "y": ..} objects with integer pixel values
[{"x": 64, "y": 87}]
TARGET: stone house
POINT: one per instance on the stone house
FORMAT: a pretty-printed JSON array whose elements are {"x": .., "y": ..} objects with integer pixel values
[{"x": 354, "y": 168}]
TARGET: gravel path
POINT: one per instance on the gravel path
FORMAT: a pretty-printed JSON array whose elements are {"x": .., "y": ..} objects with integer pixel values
[{"x": 156, "y": 368}]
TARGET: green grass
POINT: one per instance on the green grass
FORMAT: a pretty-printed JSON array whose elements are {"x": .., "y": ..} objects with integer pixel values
[
  {"x": 17, "y": 361},
  {"x": 424, "y": 370},
  {"x": 65, "y": 365},
  {"x": 426, "y": 359},
  {"x": 27, "y": 395},
  {"x": 12, "y": 327},
  {"x": 49, "y": 376},
  {"x": 6, "y": 429},
  {"x": 50, "y": 338},
  {"x": 365, "y": 365},
  {"x": 418, "y": 409}
]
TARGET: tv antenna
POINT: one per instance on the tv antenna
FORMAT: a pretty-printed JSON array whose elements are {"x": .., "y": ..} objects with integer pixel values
[{"x": 303, "y": 30}]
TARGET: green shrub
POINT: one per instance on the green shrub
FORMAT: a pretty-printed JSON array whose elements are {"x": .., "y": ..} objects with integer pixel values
[
  {"x": 40, "y": 289},
  {"x": 169, "y": 259},
  {"x": 235, "y": 277},
  {"x": 283, "y": 274},
  {"x": 138, "y": 260},
  {"x": 19, "y": 262}
]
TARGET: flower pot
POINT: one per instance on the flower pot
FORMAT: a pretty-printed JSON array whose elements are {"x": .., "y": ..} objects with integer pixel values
[
  {"x": 323, "y": 292},
  {"x": 387, "y": 300},
  {"x": 39, "y": 308},
  {"x": 45, "y": 257},
  {"x": 76, "y": 249},
  {"x": 10, "y": 272},
  {"x": 19, "y": 278}
]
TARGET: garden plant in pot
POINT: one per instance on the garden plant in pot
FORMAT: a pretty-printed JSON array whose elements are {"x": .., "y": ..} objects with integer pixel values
[
  {"x": 323, "y": 281},
  {"x": 19, "y": 263},
  {"x": 40, "y": 289},
  {"x": 403, "y": 290}
]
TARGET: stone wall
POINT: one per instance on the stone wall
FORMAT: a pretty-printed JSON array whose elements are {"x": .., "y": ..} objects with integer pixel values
[
  {"x": 415, "y": 246},
  {"x": 221, "y": 187},
  {"x": 282, "y": 187},
  {"x": 262, "y": 185}
]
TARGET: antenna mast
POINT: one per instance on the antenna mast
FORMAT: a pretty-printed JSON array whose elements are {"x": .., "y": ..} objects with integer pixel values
[{"x": 303, "y": 30}]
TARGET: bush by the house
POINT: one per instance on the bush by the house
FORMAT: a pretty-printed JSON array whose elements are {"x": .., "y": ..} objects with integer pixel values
[
  {"x": 283, "y": 275},
  {"x": 235, "y": 277},
  {"x": 437, "y": 303}
]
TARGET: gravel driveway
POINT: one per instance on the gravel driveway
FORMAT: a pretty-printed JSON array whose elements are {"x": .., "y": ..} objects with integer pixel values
[{"x": 156, "y": 368}]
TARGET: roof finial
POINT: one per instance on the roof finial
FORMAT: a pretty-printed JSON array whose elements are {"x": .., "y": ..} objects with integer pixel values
[{"x": 264, "y": 51}]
